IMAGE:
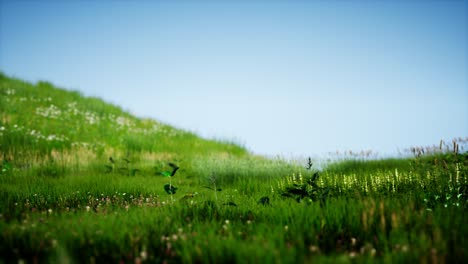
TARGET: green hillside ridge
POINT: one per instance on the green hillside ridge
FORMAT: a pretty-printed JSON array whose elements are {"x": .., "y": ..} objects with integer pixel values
[
  {"x": 51, "y": 118},
  {"x": 56, "y": 132}
]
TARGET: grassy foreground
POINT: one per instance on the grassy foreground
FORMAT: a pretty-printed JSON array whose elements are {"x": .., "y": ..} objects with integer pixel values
[{"x": 82, "y": 181}]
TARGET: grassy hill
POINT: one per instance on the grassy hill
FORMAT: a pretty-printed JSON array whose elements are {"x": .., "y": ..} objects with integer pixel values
[
  {"x": 41, "y": 119},
  {"x": 84, "y": 181}
]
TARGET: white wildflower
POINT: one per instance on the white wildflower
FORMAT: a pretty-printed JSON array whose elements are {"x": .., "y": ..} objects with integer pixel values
[
  {"x": 52, "y": 111},
  {"x": 72, "y": 108},
  {"x": 144, "y": 254},
  {"x": 10, "y": 92},
  {"x": 92, "y": 118},
  {"x": 122, "y": 122}
]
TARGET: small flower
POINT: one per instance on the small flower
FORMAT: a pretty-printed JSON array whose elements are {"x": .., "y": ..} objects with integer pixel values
[
  {"x": 313, "y": 248},
  {"x": 405, "y": 248},
  {"x": 144, "y": 255}
]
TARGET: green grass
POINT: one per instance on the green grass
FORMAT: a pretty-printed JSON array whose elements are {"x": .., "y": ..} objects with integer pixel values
[{"x": 63, "y": 200}]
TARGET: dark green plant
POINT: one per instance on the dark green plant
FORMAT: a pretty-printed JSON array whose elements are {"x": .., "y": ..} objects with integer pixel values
[
  {"x": 169, "y": 188},
  {"x": 124, "y": 168},
  {"x": 309, "y": 163},
  {"x": 309, "y": 190},
  {"x": 110, "y": 168},
  {"x": 170, "y": 173},
  {"x": 6, "y": 167},
  {"x": 265, "y": 200}
]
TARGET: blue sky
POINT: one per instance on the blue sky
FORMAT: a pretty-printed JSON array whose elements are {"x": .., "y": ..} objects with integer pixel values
[{"x": 290, "y": 78}]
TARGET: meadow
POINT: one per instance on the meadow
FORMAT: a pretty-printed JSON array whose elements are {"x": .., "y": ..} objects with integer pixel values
[{"x": 83, "y": 181}]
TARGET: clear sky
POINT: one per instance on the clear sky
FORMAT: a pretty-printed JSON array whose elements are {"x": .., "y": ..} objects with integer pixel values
[{"x": 281, "y": 77}]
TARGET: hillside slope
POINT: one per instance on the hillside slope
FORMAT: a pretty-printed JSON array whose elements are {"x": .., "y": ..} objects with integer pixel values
[{"x": 40, "y": 119}]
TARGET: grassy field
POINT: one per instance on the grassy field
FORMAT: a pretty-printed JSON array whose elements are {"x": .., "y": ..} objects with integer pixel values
[{"x": 83, "y": 181}]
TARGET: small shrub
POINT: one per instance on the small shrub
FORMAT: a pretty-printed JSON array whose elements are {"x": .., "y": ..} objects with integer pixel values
[{"x": 298, "y": 189}]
